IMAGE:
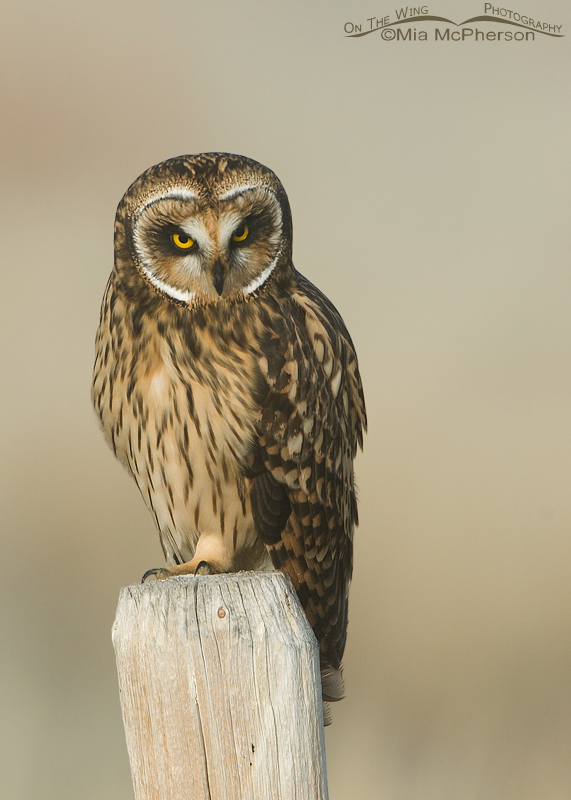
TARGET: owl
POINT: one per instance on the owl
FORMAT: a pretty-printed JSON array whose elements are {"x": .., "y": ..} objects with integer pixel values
[{"x": 228, "y": 386}]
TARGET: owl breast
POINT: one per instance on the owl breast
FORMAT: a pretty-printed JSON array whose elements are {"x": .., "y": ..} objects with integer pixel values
[{"x": 183, "y": 424}]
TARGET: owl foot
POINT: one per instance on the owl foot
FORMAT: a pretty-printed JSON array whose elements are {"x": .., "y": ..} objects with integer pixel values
[
  {"x": 211, "y": 557},
  {"x": 188, "y": 568}
]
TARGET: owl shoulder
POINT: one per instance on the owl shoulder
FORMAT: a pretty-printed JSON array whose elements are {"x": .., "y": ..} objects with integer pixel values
[{"x": 310, "y": 360}]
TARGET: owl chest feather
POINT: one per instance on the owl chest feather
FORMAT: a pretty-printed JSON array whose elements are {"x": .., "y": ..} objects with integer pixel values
[{"x": 183, "y": 419}]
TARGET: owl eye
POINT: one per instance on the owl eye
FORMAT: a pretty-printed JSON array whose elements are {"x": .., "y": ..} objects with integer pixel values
[
  {"x": 240, "y": 234},
  {"x": 182, "y": 241}
]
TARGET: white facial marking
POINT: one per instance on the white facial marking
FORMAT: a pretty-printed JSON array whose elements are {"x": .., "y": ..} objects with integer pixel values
[
  {"x": 238, "y": 190},
  {"x": 176, "y": 194},
  {"x": 171, "y": 291},
  {"x": 257, "y": 282}
]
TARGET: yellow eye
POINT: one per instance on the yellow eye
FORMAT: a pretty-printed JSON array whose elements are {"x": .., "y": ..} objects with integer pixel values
[
  {"x": 182, "y": 241},
  {"x": 241, "y": 233}
]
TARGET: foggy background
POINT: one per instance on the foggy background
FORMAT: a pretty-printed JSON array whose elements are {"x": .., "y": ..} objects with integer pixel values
[{"x": 430, "y": 188}]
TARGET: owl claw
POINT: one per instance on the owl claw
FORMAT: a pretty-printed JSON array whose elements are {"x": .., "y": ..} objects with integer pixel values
[
  {"x": 204, "y": 568},
  {"x": 160, "y": 574}
]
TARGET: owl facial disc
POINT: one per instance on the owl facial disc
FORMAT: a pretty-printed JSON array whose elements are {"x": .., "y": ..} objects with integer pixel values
[{"x": 194, "y": 245}]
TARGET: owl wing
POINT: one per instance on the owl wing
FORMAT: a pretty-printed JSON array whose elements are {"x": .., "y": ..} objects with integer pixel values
[{"x": 303, "y": 493}]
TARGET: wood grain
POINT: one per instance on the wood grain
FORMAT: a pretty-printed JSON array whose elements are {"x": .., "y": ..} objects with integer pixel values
[{"x": 220, "y": 689}]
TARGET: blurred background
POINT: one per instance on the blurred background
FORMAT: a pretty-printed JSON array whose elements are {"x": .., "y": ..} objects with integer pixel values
[{"x": 430, "y": 186}]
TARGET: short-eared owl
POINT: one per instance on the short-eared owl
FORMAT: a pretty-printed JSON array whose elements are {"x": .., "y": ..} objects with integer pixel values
[{"x": 228, "y": 386}]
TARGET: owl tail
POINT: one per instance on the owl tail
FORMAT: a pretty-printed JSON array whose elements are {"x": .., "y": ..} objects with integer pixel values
[{"x": 332, "y": 687}]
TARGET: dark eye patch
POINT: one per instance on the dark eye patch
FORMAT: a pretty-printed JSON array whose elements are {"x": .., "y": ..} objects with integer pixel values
[{"x": 161, "y": 235}]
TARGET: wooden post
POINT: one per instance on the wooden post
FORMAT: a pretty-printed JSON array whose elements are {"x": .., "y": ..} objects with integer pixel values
[{"x": 220, "y": 689}]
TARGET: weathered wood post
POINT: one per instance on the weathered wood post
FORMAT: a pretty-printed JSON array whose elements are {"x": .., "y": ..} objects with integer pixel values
[{"x": 220, "y": 689}]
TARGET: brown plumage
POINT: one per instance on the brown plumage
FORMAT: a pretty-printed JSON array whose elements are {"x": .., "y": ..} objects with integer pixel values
[{"x": 228, "y": 386}]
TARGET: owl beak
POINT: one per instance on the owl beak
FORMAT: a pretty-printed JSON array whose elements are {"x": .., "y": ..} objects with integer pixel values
[{"x": 219, "y": 277}]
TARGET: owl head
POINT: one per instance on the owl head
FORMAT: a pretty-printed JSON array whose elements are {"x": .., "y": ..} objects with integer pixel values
[{"x": 209, "y": 228}]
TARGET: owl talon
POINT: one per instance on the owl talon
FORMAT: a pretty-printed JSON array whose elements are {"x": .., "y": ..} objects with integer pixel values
[
  {"x": 160, "y": 574},
  {"x": 204, "y": 568}
]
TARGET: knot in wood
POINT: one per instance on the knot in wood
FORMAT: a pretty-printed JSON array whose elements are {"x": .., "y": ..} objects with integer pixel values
[{"x": 221, "y": 612}]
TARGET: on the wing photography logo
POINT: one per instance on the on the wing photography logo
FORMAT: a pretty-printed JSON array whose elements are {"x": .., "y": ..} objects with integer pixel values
[{"x": 498, "y": 25}]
